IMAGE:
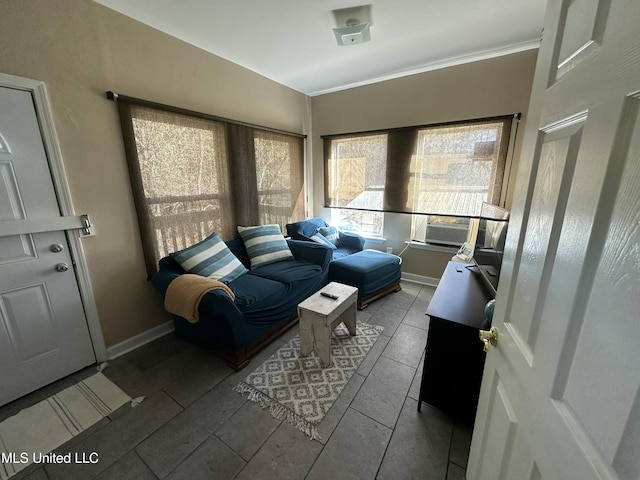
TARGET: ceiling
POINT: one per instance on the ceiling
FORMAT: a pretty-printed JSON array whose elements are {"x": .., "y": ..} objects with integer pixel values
[{"x": 292, "y": 42}]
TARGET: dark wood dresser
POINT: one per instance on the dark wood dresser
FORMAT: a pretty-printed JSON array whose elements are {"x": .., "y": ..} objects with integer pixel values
[{"x": 454, "y": 357}]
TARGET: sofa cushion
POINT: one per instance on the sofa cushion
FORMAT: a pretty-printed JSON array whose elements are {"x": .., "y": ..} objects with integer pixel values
[
  {"x": 351, "y": 241},
  {"x": 288, "y": 271},
  {"x": 210, "y": 258},
  {"x": 265, "y": 244},
  {"x": 322, "y": 240},
  {"x": 254, "y": 293},
  {"x": 305, "y": 229},
  {"x": 368, "y": 270},
  {"x": 331, "y": 234},
  {"x": 341, "y": 252}
]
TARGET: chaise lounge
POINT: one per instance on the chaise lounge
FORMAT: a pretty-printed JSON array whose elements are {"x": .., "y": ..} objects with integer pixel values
[{"x": 374, "y": 273}]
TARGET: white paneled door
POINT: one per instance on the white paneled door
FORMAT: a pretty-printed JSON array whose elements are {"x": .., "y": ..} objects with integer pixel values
[
  {"x": 43, "y": 330},
  {"x": 560, "y": 395}
]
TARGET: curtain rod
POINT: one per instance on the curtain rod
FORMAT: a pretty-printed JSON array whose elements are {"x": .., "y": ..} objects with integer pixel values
[
  {"x": 515, "y": 116},
  {"x": 146, "y": 103}
]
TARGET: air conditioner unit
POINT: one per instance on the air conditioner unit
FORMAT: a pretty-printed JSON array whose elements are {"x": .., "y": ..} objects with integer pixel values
[{"x": 452, "y": 233}]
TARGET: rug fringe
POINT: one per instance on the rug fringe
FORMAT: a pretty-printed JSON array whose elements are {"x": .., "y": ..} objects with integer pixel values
[{"x": 277, "y": 410}]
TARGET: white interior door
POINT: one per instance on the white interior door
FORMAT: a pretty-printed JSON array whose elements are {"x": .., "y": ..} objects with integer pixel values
[
  {"x": 43, "y": 330},
  {"x": 560, "y": 395}
]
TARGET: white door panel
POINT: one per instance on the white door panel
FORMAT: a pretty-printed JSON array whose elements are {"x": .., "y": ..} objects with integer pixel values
[
  {"x": 561, "y": 391},
  {"x": 43, "y": 330}
]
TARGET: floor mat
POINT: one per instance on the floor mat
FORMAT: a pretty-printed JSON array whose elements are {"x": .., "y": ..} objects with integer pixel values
[{"x": 30, "y": 435}]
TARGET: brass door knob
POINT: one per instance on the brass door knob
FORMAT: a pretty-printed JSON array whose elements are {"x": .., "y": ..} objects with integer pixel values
[{"x": 489, "y": 337}]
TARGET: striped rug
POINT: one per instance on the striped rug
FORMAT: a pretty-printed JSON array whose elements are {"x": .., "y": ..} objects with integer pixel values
[{"x": 36, "y": 431}]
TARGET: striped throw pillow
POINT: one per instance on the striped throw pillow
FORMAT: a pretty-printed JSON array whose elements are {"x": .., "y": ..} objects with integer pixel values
[
  {"x": 322, "y": 240},
  {"x": 264, "y": 244},
  {"x": 210, "y": 258},
  {"x": 331, "y": 234}
]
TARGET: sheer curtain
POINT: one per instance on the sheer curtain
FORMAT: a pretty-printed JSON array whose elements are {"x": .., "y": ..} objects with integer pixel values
[{"x": 192, "y": 176}]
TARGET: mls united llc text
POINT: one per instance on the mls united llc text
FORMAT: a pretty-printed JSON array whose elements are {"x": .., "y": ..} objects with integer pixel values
[{"x": 26, "y": 457}]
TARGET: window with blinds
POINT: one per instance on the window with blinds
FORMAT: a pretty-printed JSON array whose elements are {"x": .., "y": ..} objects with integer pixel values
[
  {"x": 279, "y": 174},
  {"x": 438, "y": 172},
  {"x": 355, "y": 180},
  {"x": 192, "y": 176},
  {"x": 182, "y": 171}
]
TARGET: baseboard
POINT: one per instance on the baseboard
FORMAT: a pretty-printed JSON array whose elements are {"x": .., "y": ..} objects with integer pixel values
[
  {"x": 412, "y": 277},
  {"x": 137, "y": 341}
]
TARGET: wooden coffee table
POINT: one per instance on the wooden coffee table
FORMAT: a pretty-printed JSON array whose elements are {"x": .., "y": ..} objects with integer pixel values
[{"x": 319, "y": 315}]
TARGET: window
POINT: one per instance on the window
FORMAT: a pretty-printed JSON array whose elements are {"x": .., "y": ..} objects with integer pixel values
[
  {"x": 457, "y": 168},
  {"x": 193, "y": 175},
  {"x": 279, "y": 174},
  {"x": 356, "y": 182},
  {"x": 182, "y": 169},
  {"x": 441, "y": 172}
]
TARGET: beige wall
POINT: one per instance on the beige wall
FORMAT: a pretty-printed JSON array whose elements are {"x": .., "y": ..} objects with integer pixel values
[
  {"x": 81, "y": 49},
  {"x": 481, "y": 89}
]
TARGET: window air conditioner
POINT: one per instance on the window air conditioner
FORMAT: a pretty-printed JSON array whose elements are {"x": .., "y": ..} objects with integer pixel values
[{"x": 453, "y": 231}]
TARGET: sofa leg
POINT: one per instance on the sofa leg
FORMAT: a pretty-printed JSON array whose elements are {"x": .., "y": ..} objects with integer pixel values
[
  {"x": 237, "y": 366},
  {"x": 364, "y": 302},
  {"x": 236, "y": 360}
]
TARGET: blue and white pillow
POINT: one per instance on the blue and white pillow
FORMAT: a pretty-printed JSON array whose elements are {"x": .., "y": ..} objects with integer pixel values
[
  {"x": 210, "y": 258},
  {"x": 331, "y": 234},
  {"x": 265, "y": 244},
  {"x": 322, "y": 240}
]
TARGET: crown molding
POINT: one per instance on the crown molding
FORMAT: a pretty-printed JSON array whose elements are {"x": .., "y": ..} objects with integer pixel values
[{"x": 427, "y": 67}]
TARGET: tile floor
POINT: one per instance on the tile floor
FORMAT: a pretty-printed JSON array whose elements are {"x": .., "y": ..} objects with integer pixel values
[{"x": 192, "y": 425}]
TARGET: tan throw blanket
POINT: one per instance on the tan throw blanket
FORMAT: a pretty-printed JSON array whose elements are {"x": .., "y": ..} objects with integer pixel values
[{"x": 185, "y": 293}]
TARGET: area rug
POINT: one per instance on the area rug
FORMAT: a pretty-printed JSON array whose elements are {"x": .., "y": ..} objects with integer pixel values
[
  {"x": 297, "y": 388},
  {"x": 30, "y": 435}
]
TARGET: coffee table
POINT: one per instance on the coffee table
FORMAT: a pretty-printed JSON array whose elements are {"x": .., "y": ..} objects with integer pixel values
[{"x": 319, "y": 315}]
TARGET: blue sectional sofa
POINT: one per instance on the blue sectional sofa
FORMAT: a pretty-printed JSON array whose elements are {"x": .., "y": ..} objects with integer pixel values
[{"x": 265, "y": 304}]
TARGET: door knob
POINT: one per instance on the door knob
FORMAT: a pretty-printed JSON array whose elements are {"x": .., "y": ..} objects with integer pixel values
[
  {"x": 489, "y": 337},
  {"x": 62, "y": 267},
  {"x": 56, "y": 248}
]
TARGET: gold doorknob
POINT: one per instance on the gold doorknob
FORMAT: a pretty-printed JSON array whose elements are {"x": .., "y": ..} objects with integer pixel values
[{"x": 489, "y": 337}]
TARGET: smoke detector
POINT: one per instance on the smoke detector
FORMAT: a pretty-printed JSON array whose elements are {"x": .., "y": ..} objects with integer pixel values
[{"x": 352, "y": 25}]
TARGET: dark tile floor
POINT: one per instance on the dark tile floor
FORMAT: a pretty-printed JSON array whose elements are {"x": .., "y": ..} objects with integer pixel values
[{"x": 192, "y": 425}]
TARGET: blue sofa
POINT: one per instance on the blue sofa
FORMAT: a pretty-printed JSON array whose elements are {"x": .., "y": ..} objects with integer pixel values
[
  {"x": 349, "y": 243},
  {"x": 266, "y": 300}
]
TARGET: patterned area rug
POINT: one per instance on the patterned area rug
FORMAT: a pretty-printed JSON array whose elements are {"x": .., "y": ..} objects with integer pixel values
[{"x": 297, "y": 389}]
